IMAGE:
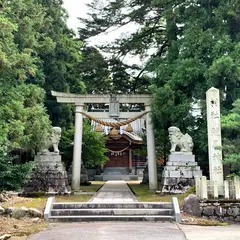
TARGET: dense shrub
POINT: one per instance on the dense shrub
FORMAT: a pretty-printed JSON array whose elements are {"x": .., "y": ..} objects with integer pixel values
[{"x": 13, "y": 176}]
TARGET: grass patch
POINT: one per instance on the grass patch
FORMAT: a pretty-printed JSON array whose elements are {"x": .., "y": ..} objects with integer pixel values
[
  {"x": 94, "y": 187},
  {"x": 40, "y": 202},
  {"x": 143, "y": 194},
  {"x": 210, "y": 222},
  {"x": 192, "y": 220}
]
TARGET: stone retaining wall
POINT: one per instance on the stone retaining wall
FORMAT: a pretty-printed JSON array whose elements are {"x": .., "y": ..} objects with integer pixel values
[{"x": 224, "y": 211}]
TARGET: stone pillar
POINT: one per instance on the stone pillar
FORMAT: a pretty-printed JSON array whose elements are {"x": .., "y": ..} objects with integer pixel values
[
  {"x": 77, "y": 150},
  {"x": 236, "y": 181},
  {"x": 214, "y": 136},
  {"x": 215, "y": 190},
  {"x": 197, "y": 185},
  {"x": 226, "y": 189},
  {"x": 203, "y": 188},
  {"x": 152, "y": 165},
  {"x": 130, "y": 160}
]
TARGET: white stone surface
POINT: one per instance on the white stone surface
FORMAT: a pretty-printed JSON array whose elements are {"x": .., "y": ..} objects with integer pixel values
[
  {"x": 203, "y": 188},
  {"x": 197, "y": 184},
  {"x": 165, "y": 174},
  {"x": 152, "y": 164},
  {"x": 214, "y": 136},
  {"x": 174, "y": 174},
  {"x": 100, "y": 98},
  {"x": 171, "y": 168},
  {"x": 186, "y": 173},
  {"x": 197, "y": 168},
  {"x": 77, "y": 150},
  {"x": 226, "y": 189},
  {"x": 48, "y": 207},
  {"x": 197, "y": 173},
  {"x": 215, "y": 190},
  {"x": 189, "y": 164},
  {"x": 181, "y": 158},
  {"x": 237, "y": 187}
]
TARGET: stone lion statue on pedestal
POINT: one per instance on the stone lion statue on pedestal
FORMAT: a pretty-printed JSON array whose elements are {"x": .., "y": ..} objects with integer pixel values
[
  {"x": 178, "y": 139},
  {"x": 53, "y": 141}
]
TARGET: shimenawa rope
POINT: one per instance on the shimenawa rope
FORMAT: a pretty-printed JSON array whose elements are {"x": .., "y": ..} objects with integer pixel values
[{"x": 114, "y": 124}]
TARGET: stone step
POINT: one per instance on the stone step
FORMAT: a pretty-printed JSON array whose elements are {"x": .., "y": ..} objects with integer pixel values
[
  {"x": 120, "y": 170},
  {"x": 136, "y": 205},
  {"x": 110, "y": 218},
  {"x": 111, "y": 212}
]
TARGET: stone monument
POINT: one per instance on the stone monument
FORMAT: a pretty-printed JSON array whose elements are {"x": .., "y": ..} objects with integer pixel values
[
  {"x": 49, "y": 174},
  {"x": 181, "y": 168},
  {"x": 214, "y": 136}
]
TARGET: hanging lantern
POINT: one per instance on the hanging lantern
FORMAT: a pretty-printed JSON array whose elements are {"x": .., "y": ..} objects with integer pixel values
[
  {"x": 99, "y": 128},
  {"x": 129, "y": 128},
  {"x": 115, "y": 134}
]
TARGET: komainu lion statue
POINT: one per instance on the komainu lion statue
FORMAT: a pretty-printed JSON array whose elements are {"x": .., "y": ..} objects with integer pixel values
[
  {"x": 178, "y": 139},
  {"x": 53, "y": 141}
]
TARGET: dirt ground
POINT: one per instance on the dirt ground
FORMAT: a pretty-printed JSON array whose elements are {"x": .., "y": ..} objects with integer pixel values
[{"x": 20, "y": 229}]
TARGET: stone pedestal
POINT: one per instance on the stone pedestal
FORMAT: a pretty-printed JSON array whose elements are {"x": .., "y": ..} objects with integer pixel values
[
  {"x": 179, "y": 172},
  {"x": 49, "y": 174}
]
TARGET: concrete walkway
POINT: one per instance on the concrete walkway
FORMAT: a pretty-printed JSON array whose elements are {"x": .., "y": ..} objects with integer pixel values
[
  {"x": 118, "y": 191},
  {"x": 111, "y": 231},
  {"x": 230, "y": 232},
  {"x": 114, "y": 192}
]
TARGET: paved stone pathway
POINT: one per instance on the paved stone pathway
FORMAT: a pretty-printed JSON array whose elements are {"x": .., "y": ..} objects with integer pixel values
[{"x": 114, "y": 192}]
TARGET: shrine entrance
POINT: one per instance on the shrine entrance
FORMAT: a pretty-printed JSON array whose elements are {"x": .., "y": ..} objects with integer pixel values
[
  {"x": 118, "y": 160},
  {"x": 118, "y": 153},
  {"x": 121, "y": 154}
]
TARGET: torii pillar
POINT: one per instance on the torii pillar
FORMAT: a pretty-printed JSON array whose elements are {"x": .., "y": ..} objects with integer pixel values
[
  {"x": 77, "y": 149},
  {"x": 152, "y": 164}
]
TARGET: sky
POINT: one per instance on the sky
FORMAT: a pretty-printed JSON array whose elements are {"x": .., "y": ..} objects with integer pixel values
[
  {"x": 75, "y": 9},
  {"x": 78, "y": 8}
]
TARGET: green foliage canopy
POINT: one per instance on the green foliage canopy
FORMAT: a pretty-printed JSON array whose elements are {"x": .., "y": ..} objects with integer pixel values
[
  {"x": 22, "y": 112},
  {"x": 93, "y": 146},
  {"x": 231, "y": 130}
]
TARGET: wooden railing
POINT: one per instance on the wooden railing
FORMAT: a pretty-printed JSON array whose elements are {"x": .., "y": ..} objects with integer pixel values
[{"x": 138, "y": 163}]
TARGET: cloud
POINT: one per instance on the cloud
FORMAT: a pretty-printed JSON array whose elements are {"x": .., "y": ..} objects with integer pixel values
[{"x": 75, "y": 9}]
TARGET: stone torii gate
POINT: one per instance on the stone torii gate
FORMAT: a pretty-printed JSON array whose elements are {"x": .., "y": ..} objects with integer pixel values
[{"x": 113, "y": 100}]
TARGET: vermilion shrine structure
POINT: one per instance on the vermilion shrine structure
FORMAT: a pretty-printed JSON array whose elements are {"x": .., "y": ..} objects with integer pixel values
[{"x": 114, "y": 101}]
